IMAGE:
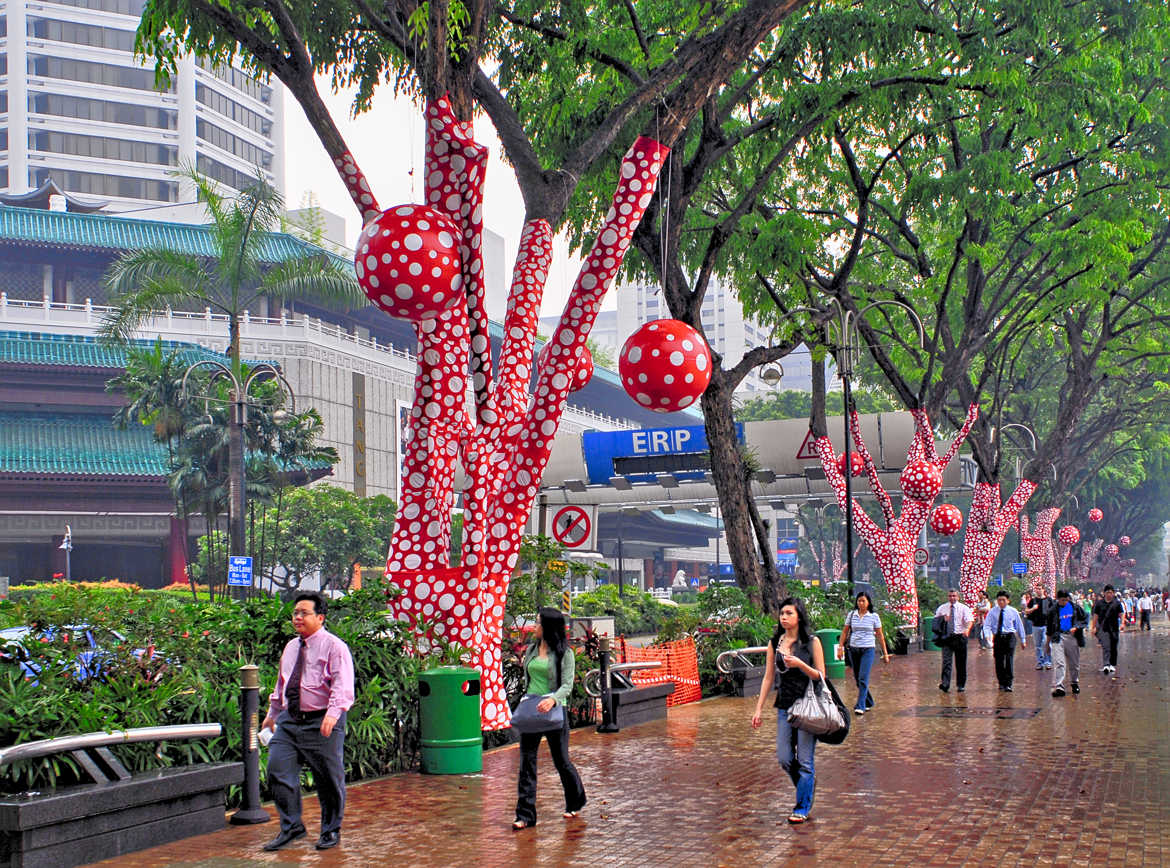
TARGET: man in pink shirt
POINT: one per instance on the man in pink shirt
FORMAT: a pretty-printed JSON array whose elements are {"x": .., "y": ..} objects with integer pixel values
[{"x": 307, "y": 709}]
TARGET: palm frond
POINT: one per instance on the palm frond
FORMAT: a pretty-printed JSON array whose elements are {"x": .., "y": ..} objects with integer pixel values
[
  {"x": 314, "y": 278},
  {"x": 148, "y": 281}
]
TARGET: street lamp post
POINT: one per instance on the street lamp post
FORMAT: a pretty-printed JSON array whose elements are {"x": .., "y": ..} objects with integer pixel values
[
  {"x": 237, "y": 404},
  {"x": 1020, "y": 517}
]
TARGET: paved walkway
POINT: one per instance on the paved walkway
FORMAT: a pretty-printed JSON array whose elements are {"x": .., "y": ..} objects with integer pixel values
[{"x": 924, "y": 779}]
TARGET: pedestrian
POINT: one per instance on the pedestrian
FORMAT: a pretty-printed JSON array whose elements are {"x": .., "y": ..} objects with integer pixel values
[
  {"x": 863, "y": 628},
  {"x": 1037, "y": 614},
  {"x": 960, "y": 619},
  {"x": 1107, "y": 627},
  {"x": 1065, "y": 635},
  {"x": 550, "y": 668},
  {"x": 1127, "y": 607},
  {"x": 982, "y": 610},
  {"x": 1025, "y": 605},
  {"x": 1001, "y": 628},
  {"x": 1145, "y": 606},
  {"x": 800, "y": 659},
  {"x": 307, "y": 709}
]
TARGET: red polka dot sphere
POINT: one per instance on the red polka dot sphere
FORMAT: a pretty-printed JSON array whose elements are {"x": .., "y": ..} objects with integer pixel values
[
  {"x": 407, "y": 262},
  {"x": 855, "y": 461},
  {"x": 1124, "y": 541},
  {"x": 1069, "y": 535},
  {"x": 665, "y": 365},
  {"x": 1129, "y": 562},
  {"x": 921, "y": 480},
  {"x": 1095, "y": 514},
  {"x": 946, "y": 519},
  {"x": 1112, "y": 551},
  {"x": 583, "y": 373}
]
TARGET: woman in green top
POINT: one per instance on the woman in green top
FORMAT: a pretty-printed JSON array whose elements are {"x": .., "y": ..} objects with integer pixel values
[{"x": 550, "y": 667}]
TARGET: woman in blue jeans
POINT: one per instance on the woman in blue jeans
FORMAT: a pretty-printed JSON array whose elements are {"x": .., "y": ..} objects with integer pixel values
[
  {"x": 800, "y": 659},
  {"x": 862, "y": 629}
]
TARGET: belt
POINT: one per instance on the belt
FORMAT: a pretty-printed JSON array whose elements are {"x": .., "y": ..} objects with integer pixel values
[{"x": 308, "y": 716}]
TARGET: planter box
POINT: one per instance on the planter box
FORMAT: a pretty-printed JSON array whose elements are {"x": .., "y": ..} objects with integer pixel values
[
  {"x": 89, "y": 822},
  {"x": 640, "y": 704},
  {"x": 748, "y": 680}
]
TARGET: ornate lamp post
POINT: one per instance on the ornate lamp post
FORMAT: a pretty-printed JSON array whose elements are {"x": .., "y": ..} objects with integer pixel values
[
  {"x": 1020, "y": 518},
  {"x": 238, "y": 402}
]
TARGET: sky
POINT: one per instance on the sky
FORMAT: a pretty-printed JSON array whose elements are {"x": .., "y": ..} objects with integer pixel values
[{"x": 387, "y": 143}]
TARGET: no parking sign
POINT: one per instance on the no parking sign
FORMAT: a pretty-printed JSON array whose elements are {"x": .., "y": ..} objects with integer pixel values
[{"x": 575, "y": 527}]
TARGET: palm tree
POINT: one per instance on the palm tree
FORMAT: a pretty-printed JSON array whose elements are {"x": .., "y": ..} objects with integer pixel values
[{"x": 144, "y": 282}]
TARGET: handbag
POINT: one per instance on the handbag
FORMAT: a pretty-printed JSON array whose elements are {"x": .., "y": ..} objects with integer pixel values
[
  {"x": 839, "y": 735},
  {"x": 816, "y": 712},
  {"x": 528, "y": 719}
]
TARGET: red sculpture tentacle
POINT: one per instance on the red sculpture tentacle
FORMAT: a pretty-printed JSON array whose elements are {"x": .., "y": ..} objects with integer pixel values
[
  {"x": 1037, "y": 548},
  {"x": 865, "y": 526},
  {"x": 875, "y": 482},
  {"x": 922, "y": 444},
  {"x": 357, "y": 186},
  {"x": 1088, "y": 555},
  {"x": 972, "y": 415},
  {"x": 987, "y": 525}
]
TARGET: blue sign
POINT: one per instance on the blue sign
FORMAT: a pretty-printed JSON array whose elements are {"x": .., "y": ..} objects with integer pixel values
[
  {"x": 240, "y": 571},
  {"x": 1019, "y": 569},
  {"x": 694, "y": 583},
  {"x": 997, "y": 581},
  {"x": 603, "y": 448}
]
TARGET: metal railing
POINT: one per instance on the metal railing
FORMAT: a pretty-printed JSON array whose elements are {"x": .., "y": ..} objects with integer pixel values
[
  {"x": 726, "y": 661},
  {"x": 70, "y": 743},
  {"x": 592, "y": 681}
]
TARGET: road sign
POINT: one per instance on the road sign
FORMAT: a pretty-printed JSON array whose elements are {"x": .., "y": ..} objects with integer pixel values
[
  {"x": 240, "y": 571},
  {"x": 572, "y": 527},
  {"x": 806, "y": 451},
  {"x": 694, "y": 582},
  {"x": 921, "y": 557},
  {"x": 997, "y": 581},
  {"x": 1019, "y": 569},
  {"x": 643, "y": 454},
  {"x": 567, "y": 602}
]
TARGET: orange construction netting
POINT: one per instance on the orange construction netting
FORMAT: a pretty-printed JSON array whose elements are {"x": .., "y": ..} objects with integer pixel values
[{"x": 680, "y": 664}]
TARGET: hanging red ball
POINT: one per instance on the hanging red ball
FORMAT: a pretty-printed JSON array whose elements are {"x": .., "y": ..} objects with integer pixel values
[
  {"x": 855, "y": 461},
  {"x": 582, "y": 374},
  {"x": 1112, "y": 551},
  {"x": 1069, "y": 535},
  {"x": 665, "y": 365},
  {"x": 1095, "y": 514},
  {"x": 921, "y": 480},
  {"x": 946, "y": 519},
  {"x": 1124, "y": 541},
  {"x": 407, "y": 262}
]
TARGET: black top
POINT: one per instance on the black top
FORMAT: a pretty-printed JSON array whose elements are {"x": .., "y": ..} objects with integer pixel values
[
  {"x": 793, "y": 682},
  {"x": 1039, "y": 617},
  {"x": 1108, "y": 615}
]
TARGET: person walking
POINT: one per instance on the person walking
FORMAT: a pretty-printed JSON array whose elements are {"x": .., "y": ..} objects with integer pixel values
[
  {"x": 1037, "y": 614},
  {"x": 1107, "y": 627},
  {"x": 550, "y": 668},
  {"x": 960, "y": 619},
  {"x": 1145, "y": 605},
  {"x": 307, "y": 709},
  {"x": 801, "y": 659},
  {"x": 982, "y": 610},
  {"x": 1065, "y": 635},
  {"x": 863, "y": 629},
  {"x": 1001, "y": 628}
]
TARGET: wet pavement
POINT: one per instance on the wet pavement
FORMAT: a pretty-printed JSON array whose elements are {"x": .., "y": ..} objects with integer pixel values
[{"x": 923, "y": 779}]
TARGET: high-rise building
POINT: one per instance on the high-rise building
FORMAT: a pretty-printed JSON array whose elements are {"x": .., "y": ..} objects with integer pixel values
[{"x": 78, "y": 109}]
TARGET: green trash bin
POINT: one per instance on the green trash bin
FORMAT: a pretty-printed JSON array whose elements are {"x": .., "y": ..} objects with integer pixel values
[
  {"x": 928, "y": 643},
  {"x": 448, "y": 716},
  {"x": 834, "y": 652}
]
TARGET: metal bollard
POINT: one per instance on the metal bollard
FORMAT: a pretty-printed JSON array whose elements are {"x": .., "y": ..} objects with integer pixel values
[
  {"x": 250, "y": 812},
  {"x": 607, "y": 722}
]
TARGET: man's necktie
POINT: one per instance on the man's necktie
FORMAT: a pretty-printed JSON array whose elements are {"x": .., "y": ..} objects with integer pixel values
[
  {"x": 999, "y": 627},
  {"x": 292, "y": 690},
  {"x": 951, "y": 624}
]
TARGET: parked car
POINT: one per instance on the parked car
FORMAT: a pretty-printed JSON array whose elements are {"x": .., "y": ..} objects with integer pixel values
[{"x": 92, "y": 661}]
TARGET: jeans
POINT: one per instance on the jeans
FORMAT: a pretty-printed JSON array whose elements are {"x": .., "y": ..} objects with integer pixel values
[
  {"x": 1108, "y": 640},
  {"x": 558, "y": 747},
  {"x": 1038, "y": 634},
  {"x": 302, "y": 743},
  {"x": 1066, "y": 660},
  {"x": 795, "y": 749},
  {"x": 954, "y": 647},
  {"x": 861, "y": 662}
]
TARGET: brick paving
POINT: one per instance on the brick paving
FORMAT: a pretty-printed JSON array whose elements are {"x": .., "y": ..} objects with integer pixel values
[{"x": 924, "y": 779}]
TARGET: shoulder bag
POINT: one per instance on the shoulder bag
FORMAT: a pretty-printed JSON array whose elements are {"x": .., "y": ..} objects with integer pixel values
[
  {"x": 817, "y": 711},
  {"x": 528, "y": 719}
]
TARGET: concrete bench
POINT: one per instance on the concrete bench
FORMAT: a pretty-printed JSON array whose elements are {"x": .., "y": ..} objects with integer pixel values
[{"x": 118, "y": 812}]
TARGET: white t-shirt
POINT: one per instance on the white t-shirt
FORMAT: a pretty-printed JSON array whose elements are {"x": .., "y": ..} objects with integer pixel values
[
  {"x": 1144, "y": 604},
  {"x": 861, "y": 629}
]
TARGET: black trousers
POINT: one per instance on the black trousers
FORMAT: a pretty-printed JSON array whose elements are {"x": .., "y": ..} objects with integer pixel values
[
  {"x": 1145, "y": 619},
  {"x": 558, "y": 746},
  {"x": 1109, "y": 641},
  {"x": 954, "y": 647},
  {"x": 296, "y": 744},
  {"x": 1004, "y": 649}
]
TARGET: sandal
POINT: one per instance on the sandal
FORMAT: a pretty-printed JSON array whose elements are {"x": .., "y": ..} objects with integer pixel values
[
  {"x": 522, "y": 824},
  {"x": 796, "y": 819}
]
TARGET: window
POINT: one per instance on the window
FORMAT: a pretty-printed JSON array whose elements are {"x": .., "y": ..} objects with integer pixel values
[
  {"x": 221, "y": 138},
  {"x": 787, "y": 528},
  {"x": 93, "y": 73},
  {"x": 103, "y": 148},
  {"x": 93, "y": 184},
  {"x": 122, "y": 7},
  {"x": 81, "y": 34},
  {"x": 4, "y": 177},
  {"x": 3, "y": 101},
  {"x": 4, "y": 139},
  {"x": 224, "y": 174},
  {"x": 240, "y": 80},
  {"x": 102, "y": 110},
  {"x": 217, "y": 102},
  {"x": 3, "y": 25}
]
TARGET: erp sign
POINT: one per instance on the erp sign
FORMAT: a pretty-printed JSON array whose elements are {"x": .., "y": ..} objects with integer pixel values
[{"x": 641, "y": 455}]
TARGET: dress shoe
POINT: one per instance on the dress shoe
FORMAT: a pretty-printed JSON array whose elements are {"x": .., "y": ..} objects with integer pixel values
[
  {"x": 1007, "y": 688},
  {"x": 962, "y": 690},
  {"x": 943, "y": 688},
  {"x": 1076, "y": 687},
  {"x": 286, "y": 836},
  {"x": 328, "y": 840}
]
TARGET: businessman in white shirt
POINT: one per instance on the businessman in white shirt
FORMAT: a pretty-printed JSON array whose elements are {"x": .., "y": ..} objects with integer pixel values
[
  {"x": 959, "y": 618},
  {"x": 1002, "y": 627}
]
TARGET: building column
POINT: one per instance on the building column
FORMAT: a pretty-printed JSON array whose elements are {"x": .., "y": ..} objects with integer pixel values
[
  {"x": 177, "y": 551},
  {"x": 17, "y": 99}
]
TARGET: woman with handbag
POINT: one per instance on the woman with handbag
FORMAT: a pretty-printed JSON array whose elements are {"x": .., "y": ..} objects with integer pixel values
[
  {"x": 549, "y": 667},
  {"x": 863, "y": 628},
  {"x": 800, "y": 659}
]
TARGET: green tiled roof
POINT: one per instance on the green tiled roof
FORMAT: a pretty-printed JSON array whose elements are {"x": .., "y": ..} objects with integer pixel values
[
  {"x": 40, "y": 348},
  {"x": 76, "y": 444},
  {"x": 103, "y": 232}
]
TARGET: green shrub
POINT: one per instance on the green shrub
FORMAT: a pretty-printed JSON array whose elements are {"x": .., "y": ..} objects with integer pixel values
[{"x": 633, "y": 611}]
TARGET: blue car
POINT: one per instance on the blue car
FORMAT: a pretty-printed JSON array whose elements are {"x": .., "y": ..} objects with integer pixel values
[{"x": 90, "y": 662}]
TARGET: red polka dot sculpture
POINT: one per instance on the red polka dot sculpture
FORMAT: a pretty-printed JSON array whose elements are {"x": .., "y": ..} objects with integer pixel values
[
  {"x": 1124, "y": 541},
  {"x": 987, "y": 524},
  {"x": 1069, "y": 535},
  {"x": 855, "y": 460},
  {"x": 1095, "y": 514},
  {"x": 946, "y": 519},
  {"x": 665, "y": 365},
  {"x": 1112, "y": 551},
  {"x": 583, "y": 373},
  {"x": 1039, "y": 551},
  {"x": 407, "y": 262},
  {"x": 921, "y": 480}
]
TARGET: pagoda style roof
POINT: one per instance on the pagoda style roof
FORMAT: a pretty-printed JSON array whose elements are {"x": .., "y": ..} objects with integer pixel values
[
  {"x": 56, "y": 444},
  {"x": 39, "y": 198},
  {"x": 82, "y": 351}
]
